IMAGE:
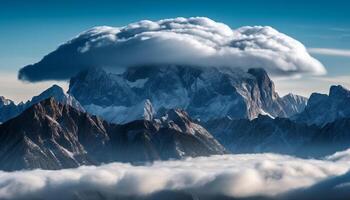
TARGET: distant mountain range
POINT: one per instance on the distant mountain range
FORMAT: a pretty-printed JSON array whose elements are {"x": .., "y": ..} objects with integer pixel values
[{"x": 168, "y": 112}]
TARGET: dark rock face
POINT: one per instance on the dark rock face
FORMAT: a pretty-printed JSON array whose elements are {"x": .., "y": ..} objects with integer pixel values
[
  {"x": 322, "y": 109},
  {"x": 51, "y": 135},
  {"x": 205, "y": 93}
]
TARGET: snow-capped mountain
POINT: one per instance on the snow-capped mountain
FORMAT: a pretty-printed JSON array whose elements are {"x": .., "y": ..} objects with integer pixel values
[
  {"x": 8, "y": 109},
  {"x": 205, "y": 93},
  {"x": 51, "y": 135},
  {"x": 322, "y": 109}
]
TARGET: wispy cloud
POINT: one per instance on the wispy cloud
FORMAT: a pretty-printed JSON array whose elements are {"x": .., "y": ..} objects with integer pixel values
[
  {"x": 330, "y": 52},
  {"x": 340, "y": 29}
]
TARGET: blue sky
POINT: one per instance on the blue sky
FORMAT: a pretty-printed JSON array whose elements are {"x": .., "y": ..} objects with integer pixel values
[{"x": 30, "y": 30}]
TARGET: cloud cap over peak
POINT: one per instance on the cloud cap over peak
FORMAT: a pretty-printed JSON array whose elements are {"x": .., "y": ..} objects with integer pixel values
[{"x": 196, "y": 41}]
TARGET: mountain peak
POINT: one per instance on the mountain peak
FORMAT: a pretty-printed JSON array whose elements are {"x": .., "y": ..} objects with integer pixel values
[
  {"x": 55, "y": 87},
  {"x": 338, "y": 91},
  {"x": 59, "y": 95}
]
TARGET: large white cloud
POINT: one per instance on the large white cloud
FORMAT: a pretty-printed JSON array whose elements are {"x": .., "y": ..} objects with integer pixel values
[
  {"x": 241, "y": 175},
  {"x": 195, "y": 41}
]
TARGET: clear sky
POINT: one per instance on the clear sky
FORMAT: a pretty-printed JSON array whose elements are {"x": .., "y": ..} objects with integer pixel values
[{"x": 31, "y": 29}]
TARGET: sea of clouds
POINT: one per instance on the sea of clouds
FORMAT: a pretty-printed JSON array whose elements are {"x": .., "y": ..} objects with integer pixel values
[
  {"x": 239, "y": 176},
  {"x": 196, "y": 41}
]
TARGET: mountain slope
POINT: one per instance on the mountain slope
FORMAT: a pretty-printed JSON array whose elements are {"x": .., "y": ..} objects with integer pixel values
[
  {"x": 51, "y": 135},
  {"x": 205, "y": 93},
  {"x": 322, "y": 109}
]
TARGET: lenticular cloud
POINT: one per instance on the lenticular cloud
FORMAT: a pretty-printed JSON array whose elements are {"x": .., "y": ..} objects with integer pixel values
[
  {"x": 232, "y": 176},
  {"x": 195, "y": 41}
]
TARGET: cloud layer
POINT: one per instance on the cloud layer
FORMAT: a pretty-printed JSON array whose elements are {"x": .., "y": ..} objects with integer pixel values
[
  {"x": 330, "y": 52},
  {"x": 195, "y": 41},
  {"x": 242, "y": 175}
]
